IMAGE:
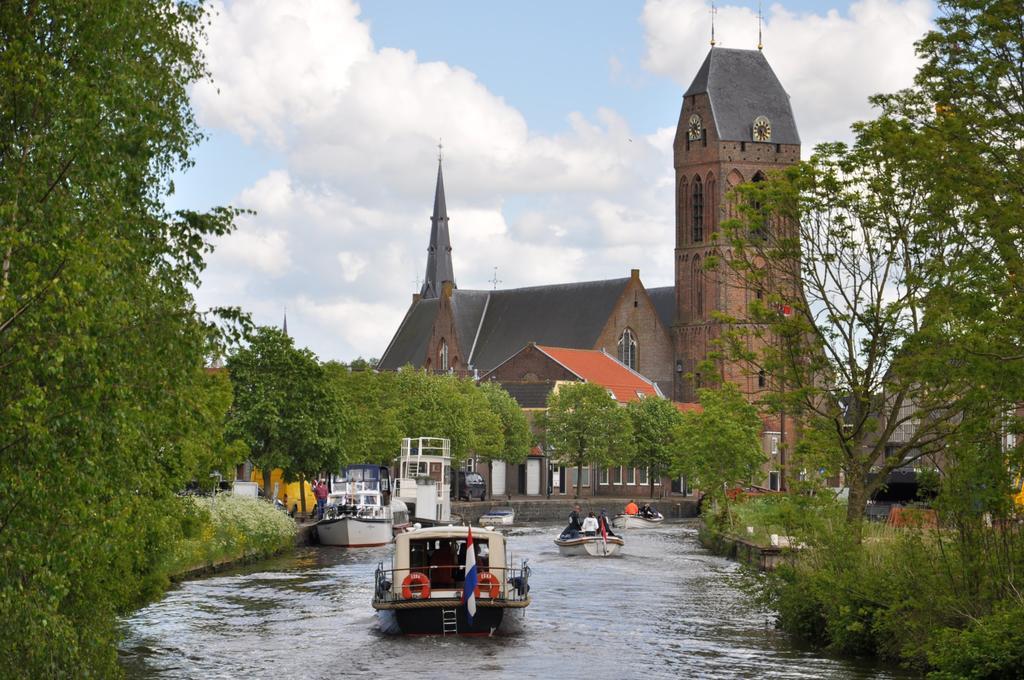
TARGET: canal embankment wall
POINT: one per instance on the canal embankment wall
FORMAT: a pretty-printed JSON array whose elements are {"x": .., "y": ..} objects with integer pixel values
[
  {"x": 552, "y": 509},
  {"x": 761, "y": 557}
]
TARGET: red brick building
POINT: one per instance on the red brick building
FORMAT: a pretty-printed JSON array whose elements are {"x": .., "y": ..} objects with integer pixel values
[{"x": 736, "y": 125}]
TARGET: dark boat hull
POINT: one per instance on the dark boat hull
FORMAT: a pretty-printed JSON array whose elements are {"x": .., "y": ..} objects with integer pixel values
[{"x": 430, "y": 621}]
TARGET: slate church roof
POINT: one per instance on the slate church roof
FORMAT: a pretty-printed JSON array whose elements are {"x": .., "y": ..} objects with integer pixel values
[
  {"x": 664, "y": 301},
  {"x": 742, "y": 86},
  {"x": 494, "y": 325}
]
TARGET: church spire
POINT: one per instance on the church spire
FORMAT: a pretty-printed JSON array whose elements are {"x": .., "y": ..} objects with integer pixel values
[{"x": 439, "y": 252}]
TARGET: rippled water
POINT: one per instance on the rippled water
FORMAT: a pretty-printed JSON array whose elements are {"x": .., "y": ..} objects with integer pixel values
[{"x": 664, "y": 609}]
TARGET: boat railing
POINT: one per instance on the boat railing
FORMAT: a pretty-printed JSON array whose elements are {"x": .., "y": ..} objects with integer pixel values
[{"x": 514, "y": 583}]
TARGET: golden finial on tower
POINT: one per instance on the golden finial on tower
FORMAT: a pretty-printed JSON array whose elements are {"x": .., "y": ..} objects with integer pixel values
[
  {"x": 714, "y": 11},
  {"x": 760, "y": 43}
]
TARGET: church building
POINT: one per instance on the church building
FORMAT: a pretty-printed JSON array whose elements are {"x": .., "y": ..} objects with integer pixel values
[{"x": 736, "y": 124}]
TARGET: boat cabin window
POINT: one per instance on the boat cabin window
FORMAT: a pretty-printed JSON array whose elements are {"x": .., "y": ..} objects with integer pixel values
[{"x": 444, "y": 559}]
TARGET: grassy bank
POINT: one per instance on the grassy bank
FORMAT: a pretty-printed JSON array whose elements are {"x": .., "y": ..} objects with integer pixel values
[
  {"x": 224, "y": 529},
  {"x": 943, "y": 601}
]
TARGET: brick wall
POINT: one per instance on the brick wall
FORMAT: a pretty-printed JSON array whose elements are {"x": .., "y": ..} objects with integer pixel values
[{"x": 634, "y": 310}]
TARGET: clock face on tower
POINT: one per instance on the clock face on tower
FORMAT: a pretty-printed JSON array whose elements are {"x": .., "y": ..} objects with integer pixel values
[
  {"x": 696, "y": 129},
  {"x": 762, "y": 129}
]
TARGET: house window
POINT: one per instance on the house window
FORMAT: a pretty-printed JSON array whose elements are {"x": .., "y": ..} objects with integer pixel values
[
  {"x": 603, "y": 477},
  {"x": 762, "y": 379},
  {"x": 470, "y": 464},
  {"x": 627, "y": 348},
  {"x": 697, "y": 211},
  {"x": 775, "y": 480},
  {"x": 643, "y": 476},
  {"x": 682, "y": 486},
  {"x": 586, "y": 476},
  {"x": 442, "y": 357},
  {"x": 771, "y": 443},
  {"x": 617, "y": 475},
  {"x": 631, "y": 476}
]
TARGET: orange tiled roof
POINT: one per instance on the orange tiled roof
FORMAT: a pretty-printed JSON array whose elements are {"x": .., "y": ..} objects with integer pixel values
[{"x": 597, "y": 367}]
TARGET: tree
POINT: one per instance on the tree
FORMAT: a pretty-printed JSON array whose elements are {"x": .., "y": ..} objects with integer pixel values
[
  {"x": 655, "y": 424},
  {"x": 374, "y": 434},
  {"x": 585, "y": 426},
  {"x": 720, "y": 446},
  {"x": 514, "y": 428},
  {"x": 863, "y": 345},
  {"x": 101, "y": 345},
  {"x": 285, "y": 409}
]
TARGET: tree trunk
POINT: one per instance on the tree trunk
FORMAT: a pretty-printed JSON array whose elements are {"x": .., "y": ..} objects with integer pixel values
[
  {"x": 266, "y": 484},
  {"x": 857, "y": 503},
  {"x": 302, "y": 493},
  {"x": 579, "y": 479}
]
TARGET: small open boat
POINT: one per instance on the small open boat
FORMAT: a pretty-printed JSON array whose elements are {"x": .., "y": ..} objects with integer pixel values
[
  {"x": 496, "y": 516},
  {"x": 596, "y": 546},
  {"x": 624, "y": 521}
]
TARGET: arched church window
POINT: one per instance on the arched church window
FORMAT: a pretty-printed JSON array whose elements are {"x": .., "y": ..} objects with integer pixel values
[
  {"x": 698, "y": 288},
  {"x": 712, "y": 210},
  {"x": 627, "y": 348},
  {"x": 759, "y": 230},
  {"x": 681, "y": 211},
  {"x": 442, "y": 357},
  {"x": 697, "y": 214}
]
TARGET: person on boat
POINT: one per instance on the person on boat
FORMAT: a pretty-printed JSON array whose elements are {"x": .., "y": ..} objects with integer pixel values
[
  {"x": 321, "y": 492},
  {"x": 602, "y": 522},
  {"x": 590, "y": 525},
  {"x": 631, "y": 508}
]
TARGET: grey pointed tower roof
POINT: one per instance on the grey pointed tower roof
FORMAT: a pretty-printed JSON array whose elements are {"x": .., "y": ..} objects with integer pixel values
[
  {"x": 742, "y": 86},
  {"x": 439, "y": 252}
]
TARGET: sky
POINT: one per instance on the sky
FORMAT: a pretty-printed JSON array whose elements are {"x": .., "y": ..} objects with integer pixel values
[{"x": 556, "y": 123}]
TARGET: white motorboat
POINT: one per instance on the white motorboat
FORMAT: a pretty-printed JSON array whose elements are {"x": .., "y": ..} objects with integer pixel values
[
  {"x": 422, "y": 592},
  {"x": 358, "y": 511},
  {"x": 624, "y": 521},
  {"x": 424, "y": 479},
  {"x": 595, "y": 546},
  {"x": 498, "y": 516}
]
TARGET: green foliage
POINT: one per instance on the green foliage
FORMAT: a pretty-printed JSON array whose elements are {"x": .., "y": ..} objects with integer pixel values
[
  {"x": 655, "y": 425},
  {"x": 227, "y": 528},
  {"x": 102, "y": 401},
  {"x": 991, "y": 647},
  {"x": 721, "y": 446},
  {"x": 374, "y": 434},
  {"x": 586, "y": 426},
  {"x": 514, "y": 428},
  {"x": 285, "y": 408}
]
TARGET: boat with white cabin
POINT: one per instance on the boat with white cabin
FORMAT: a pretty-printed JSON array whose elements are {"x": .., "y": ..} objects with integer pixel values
[
  {"x": 424, "y": 479},
  {"x": 421, "y": 593},
  {"x": 358, "y": 513}
]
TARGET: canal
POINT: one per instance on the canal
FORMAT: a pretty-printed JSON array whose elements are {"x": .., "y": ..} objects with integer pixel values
[{"x": 664, "y": 609}]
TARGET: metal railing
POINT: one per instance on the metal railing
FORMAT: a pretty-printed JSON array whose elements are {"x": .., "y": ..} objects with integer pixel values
[{"x": 514, "y": 582}]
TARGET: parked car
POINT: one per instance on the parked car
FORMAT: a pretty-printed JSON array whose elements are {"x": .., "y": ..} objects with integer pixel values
[{"x": 469, "y": 486}]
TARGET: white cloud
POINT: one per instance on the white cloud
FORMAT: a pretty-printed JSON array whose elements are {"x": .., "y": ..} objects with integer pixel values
[
  {"x": 341, "y": 229},
  {"x": 829, "y": 63}
]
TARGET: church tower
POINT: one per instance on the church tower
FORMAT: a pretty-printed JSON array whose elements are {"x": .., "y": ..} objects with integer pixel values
[
  {"x": 735, "y": 126},
  {"x": 439, "y": 252}
]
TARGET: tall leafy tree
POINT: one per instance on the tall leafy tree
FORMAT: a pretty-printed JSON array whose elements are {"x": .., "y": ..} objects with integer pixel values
[
  {"x": 721, "y": 446},
  {"x": 655, "y": 425},
  {"x": 374, "y": 432},
  {"x": 101, "y": 345},
  {"x": 516, "y": 436},
  {"x": 586, "y": 426},
  {"x": 285, "y": 408}
]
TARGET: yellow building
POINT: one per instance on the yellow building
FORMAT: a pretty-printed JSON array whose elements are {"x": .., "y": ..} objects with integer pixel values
[{"x": 286, "y": 492}]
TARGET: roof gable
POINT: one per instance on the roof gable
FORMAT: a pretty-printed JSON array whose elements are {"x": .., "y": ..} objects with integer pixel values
[{"x": 599, "y": 368}]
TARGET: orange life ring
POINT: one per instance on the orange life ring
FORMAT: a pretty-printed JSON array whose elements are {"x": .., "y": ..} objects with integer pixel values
[
  {"x": 416, "y": 586},
  {"x": 488, "y": 577}
]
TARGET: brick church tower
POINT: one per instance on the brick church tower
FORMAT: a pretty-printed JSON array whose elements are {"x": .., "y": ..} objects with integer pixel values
[{"x": 736, "y": 124}]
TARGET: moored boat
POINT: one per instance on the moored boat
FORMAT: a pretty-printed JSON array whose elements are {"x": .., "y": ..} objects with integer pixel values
[
  {"x": 358, "y": 511},
  {"x": 496, "y": 516},
  {"x": 422, "y": 592}
]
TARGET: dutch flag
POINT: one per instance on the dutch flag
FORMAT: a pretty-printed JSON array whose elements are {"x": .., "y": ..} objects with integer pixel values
[{"x": 469, "y": 588}]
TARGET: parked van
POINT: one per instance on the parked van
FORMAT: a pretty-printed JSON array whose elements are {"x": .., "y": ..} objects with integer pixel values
[{"x": 469, "y": 486}]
